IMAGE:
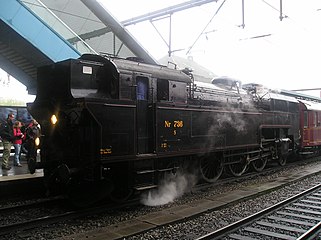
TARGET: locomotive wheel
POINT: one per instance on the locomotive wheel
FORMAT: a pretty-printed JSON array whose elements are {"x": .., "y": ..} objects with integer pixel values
[
  {"x": 237, "y": 169},
  {"x": 282, "y": 160},
  {"x": 211, "y": 168},
  {"x": 259, "y": 164}
]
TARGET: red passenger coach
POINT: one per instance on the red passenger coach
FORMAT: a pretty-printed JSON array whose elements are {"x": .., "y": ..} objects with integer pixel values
[{"x": 310, "y": 124}]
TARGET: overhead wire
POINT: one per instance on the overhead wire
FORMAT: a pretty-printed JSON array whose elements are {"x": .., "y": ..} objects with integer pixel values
[
  {"x": 217, "y": 11},
  {"x": 294, "y": 21}
]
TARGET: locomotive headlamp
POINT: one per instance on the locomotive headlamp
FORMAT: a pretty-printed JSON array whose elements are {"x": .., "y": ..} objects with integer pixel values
[
  {"x": 53, "y": 119},
  {"x": 37, "y": 141}
]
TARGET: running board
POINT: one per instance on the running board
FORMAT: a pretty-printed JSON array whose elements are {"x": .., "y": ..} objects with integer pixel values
[
  {"x": 158, "y": 170},
  {"x": 167, "y": 169},
  {"x": 144, "y": 188},
  {"x": 145, "y": 172},
  {"x": 306, "y": 153}
]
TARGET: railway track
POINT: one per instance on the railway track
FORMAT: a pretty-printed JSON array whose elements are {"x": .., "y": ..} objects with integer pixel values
[
  {"x": 298, "y": 217},
  {"x": 50, "y": 218},
  {"x": 39, "y": 214},
  {"x": 153, "y": 225},
  {"x": 23, "y": 215}
]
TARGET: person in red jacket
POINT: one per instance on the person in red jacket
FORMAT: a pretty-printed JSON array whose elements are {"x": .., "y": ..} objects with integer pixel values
[{"x": 18, "y": 136}]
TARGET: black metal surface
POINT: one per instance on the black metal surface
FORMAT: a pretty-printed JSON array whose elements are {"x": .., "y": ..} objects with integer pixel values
[{"x": 115, "y": 122}]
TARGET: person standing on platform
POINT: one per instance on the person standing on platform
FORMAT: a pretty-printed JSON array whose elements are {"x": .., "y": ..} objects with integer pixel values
[
  {"x": 17, "y": 142},
  {"x": 32, "y": 132},
  {"x": 6, "y": 133}
]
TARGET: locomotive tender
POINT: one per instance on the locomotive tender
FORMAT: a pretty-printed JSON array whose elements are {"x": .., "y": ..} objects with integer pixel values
[{"x": 116, "y": 126}]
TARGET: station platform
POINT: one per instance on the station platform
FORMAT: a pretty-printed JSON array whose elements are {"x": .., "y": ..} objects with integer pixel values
[
  {"x": 20, "y": 172},
  {"x": 18, "y": 180},
  {"x": 23, "y": 171}
]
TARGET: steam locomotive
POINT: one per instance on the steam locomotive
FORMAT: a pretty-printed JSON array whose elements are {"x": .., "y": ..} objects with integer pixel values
[{"x": 113, "y": 127}]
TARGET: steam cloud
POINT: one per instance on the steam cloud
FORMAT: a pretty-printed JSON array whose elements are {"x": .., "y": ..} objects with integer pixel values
[
  {"x": 170, "y": 189},
  {"x": 235, "y": 121}
]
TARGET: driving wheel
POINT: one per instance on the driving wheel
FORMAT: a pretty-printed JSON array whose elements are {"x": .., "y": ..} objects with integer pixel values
[
  {"x": 211, "y": 168},
  {"x": 238, "y": 168}
]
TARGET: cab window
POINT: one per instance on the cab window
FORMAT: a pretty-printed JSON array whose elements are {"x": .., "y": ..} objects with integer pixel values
[{"x": 142, "y": 88}]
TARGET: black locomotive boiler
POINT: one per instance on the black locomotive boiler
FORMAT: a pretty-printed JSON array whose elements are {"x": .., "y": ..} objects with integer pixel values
[{"x": 112, "y": 127}]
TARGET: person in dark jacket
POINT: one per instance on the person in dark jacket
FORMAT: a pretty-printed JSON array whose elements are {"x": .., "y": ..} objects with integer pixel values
[
  {"x": 7, "y": 138},
  {"x": 32, "y": 132}
]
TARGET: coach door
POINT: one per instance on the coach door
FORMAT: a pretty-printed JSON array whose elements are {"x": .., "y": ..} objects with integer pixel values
[{"x": 144, "y": 116}]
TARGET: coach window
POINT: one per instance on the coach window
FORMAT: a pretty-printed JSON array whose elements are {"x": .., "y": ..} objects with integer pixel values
[
  {"x": 315, "y": 120},
  {"x": 305, "y": 119},
  {"x": 162, "y": 90},
  {"x": 142, "y": 88}
]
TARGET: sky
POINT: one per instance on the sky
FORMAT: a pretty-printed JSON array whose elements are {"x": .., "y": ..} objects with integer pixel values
[
  {"x": 10, "y": 88},
  {"x": 287, "y": 58}
]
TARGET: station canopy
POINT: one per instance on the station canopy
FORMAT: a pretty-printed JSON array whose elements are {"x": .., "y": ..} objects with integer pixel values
[{"x": 79, "y": 25}]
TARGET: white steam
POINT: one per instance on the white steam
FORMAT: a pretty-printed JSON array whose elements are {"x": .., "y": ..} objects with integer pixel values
[
  {"x": 234, "y": 120},
  {"x": 170, "y": 189}
]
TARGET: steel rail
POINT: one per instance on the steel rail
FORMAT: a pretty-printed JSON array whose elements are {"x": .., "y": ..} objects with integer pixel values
[{"x": 225, "y": 231}]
